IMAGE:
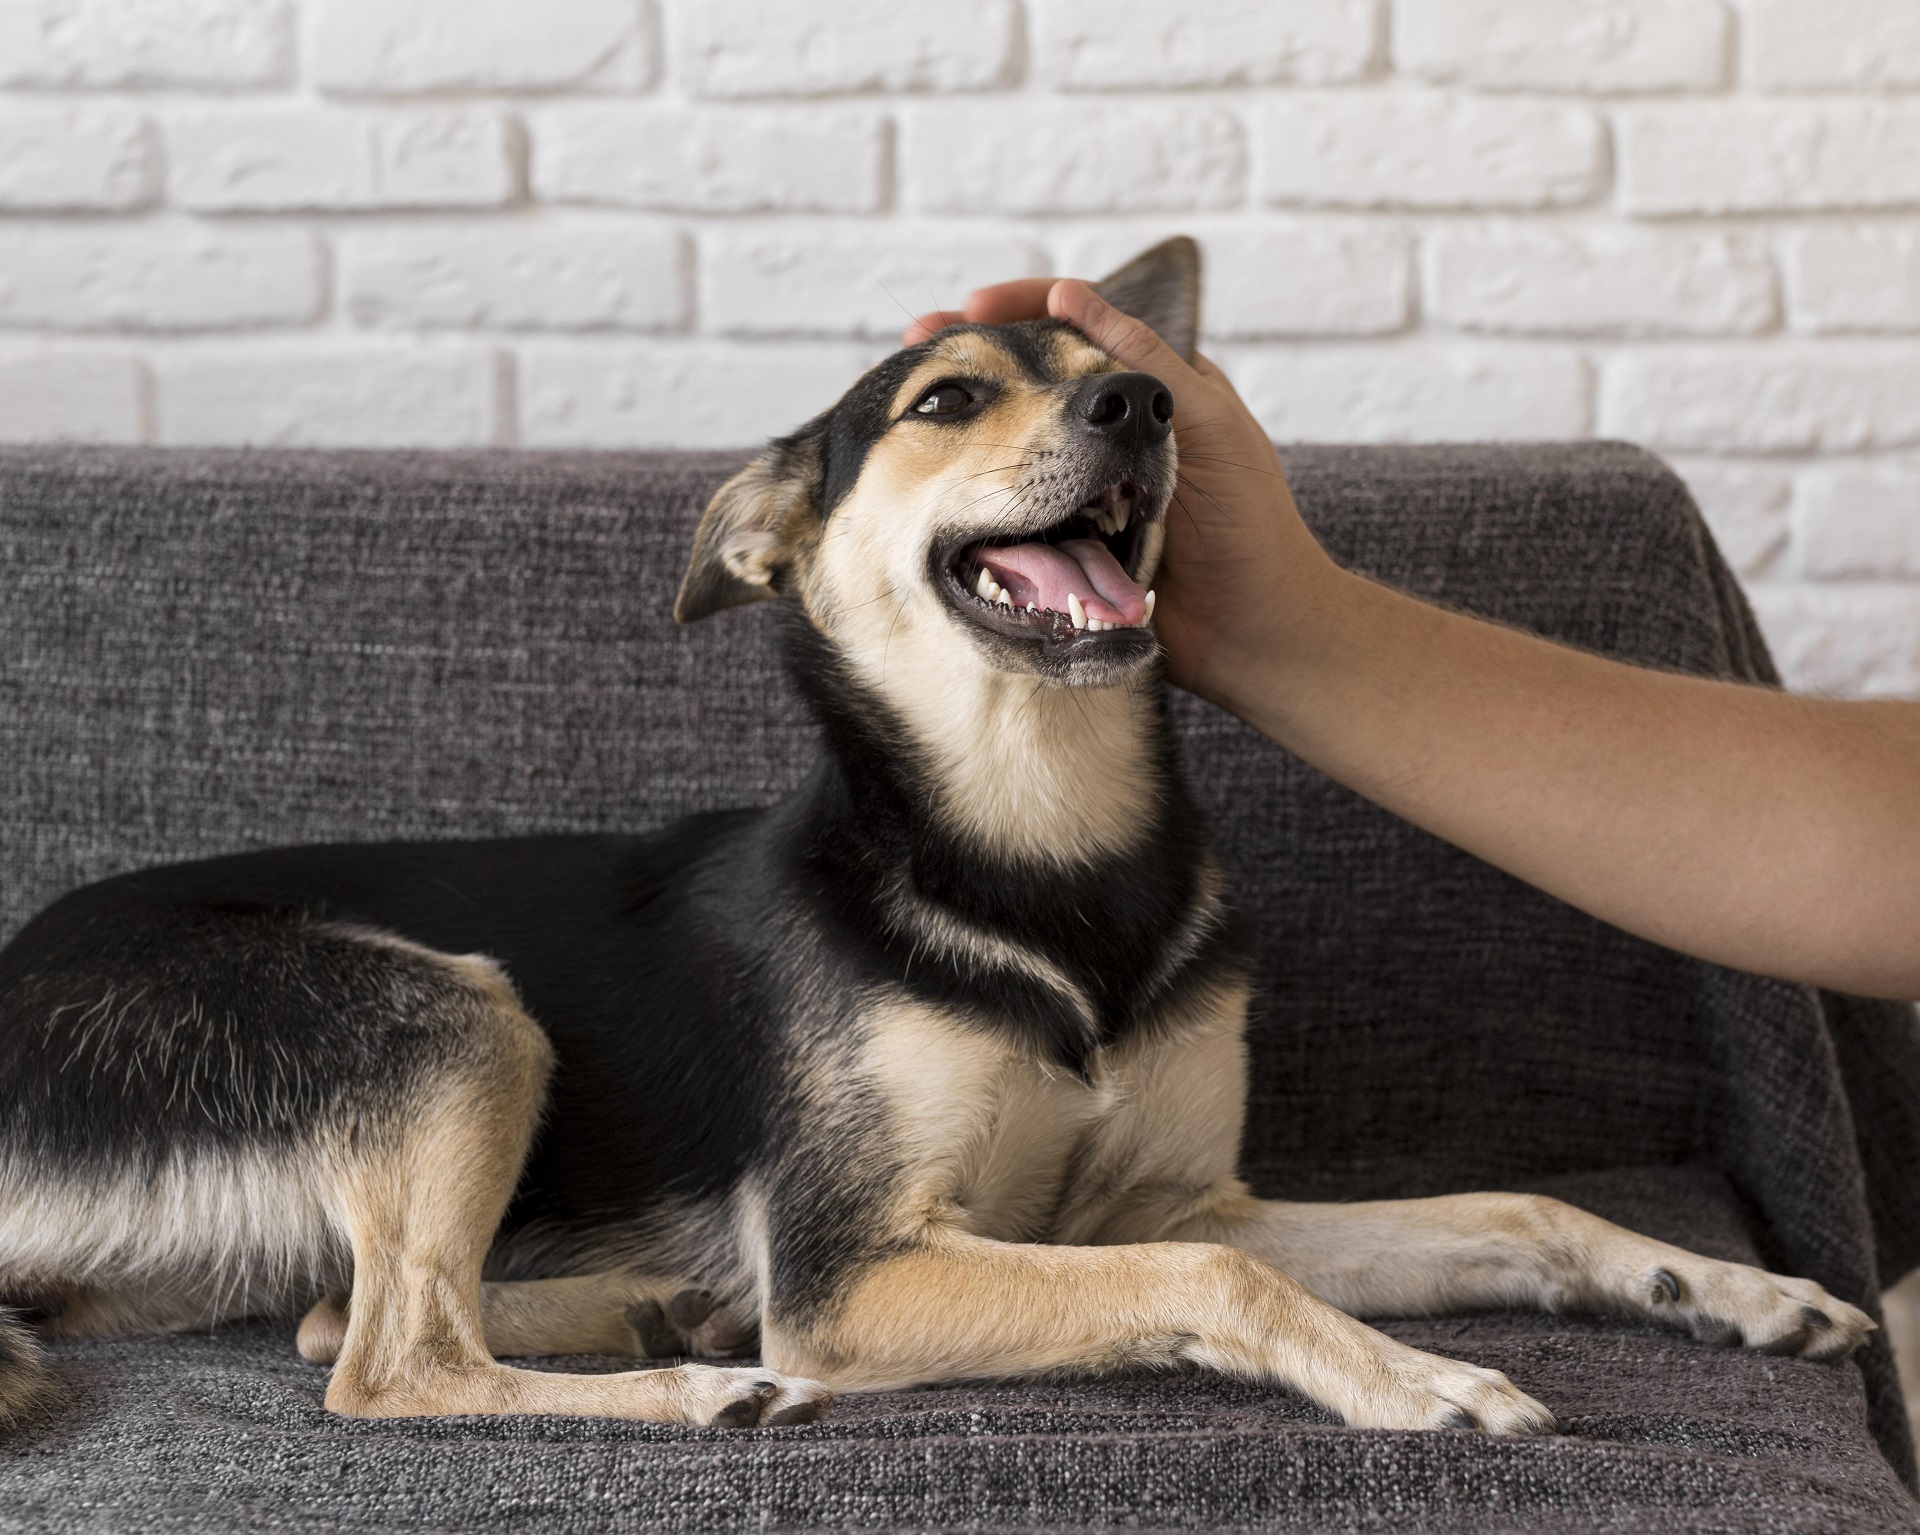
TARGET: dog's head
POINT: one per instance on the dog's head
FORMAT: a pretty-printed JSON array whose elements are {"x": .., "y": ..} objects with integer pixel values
[{"x": 994, "y": 497}]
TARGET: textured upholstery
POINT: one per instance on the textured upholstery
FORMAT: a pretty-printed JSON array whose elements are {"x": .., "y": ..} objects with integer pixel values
[{"x": 202, "y": 652}]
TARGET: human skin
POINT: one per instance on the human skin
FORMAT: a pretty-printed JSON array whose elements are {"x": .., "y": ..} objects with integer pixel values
[{"x": 1754, "y": 828}]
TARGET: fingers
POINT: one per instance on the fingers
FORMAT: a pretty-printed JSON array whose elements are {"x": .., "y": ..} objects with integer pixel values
[
  {"x": 1025, "y": 298},
  {"x": 929, "y": 324},
  {"x": 1133, "y": 341}
]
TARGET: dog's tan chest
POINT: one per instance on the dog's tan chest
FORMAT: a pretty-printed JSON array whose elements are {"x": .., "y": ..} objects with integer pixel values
[{"x": 1017, "y": 1148}]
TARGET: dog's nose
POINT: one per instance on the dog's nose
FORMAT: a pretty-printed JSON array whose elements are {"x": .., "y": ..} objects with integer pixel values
[{"x": 1127, "y": 407}]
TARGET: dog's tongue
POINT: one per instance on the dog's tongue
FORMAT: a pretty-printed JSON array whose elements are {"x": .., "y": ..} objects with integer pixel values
[{"x": 1044, "y": 574}]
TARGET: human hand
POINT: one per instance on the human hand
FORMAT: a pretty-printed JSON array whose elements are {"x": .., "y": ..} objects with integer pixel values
[{"x": 1241, "y": 572}]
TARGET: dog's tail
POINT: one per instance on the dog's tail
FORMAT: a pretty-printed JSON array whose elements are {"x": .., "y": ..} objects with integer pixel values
[{"x": 26, "y": 1384}]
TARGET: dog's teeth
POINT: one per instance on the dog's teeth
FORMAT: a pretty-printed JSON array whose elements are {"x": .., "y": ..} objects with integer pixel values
[
  {"x": 1147, "y": 617},
  {"x": 1002, "y": 596},
  {"x": 1033, "y": 607},
  {"x": 981, "y": 583},
  {"x": 1074, "y": 611}
]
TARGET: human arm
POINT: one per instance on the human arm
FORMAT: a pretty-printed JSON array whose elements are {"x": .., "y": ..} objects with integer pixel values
[{"x": 1750, "y": 827}]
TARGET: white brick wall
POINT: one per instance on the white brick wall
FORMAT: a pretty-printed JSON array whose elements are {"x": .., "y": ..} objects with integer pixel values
[{"x": 1695, "y": 223}]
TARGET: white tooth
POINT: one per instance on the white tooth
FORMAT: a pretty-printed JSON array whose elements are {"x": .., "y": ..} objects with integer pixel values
[
  {"x": 1003, "y": 597},
  {"x": 1147, "y": 617},
  {"x": 1074, "y": 611},
  {"x": 1032, "y": 608},
  {"x": 982, "y": 582}
]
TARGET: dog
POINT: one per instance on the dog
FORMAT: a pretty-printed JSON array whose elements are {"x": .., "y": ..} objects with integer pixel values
[{"x": 935, "y": 1069}]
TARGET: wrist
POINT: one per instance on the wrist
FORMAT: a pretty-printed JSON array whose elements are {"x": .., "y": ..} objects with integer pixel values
[{"x": 1269, "y": 660}]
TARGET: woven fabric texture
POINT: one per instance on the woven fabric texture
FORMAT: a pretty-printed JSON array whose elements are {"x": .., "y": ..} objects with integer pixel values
[{"x": 201, "y": 652}]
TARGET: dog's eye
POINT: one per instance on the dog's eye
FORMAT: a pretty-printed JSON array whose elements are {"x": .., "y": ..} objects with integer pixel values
[{"x": 943, "y": 400}]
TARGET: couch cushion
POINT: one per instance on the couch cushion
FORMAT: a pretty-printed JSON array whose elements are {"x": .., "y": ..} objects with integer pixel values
[{"x": 1660, "y": 1434}]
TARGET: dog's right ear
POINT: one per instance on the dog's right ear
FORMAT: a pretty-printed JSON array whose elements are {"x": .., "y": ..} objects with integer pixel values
[
  {"x": 753, "y": 527},
  {"x": 1161, "y": 285}
]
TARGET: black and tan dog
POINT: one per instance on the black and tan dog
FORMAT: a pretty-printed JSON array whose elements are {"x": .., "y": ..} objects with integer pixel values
[{"x": 934, "y": 1070}]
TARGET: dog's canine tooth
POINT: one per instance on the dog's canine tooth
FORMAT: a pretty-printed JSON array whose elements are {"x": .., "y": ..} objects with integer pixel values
[
  {"x": 981, "y": 582},
  {"x": 1147, "y": 617},
  {"x": 1075, "y": 611}
]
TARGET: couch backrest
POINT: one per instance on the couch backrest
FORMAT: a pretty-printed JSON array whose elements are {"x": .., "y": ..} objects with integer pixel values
[{"x": 202, "y": 652}]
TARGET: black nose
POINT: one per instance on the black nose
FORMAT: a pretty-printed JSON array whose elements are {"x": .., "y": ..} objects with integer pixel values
[{"x": 1125, "y": 407}]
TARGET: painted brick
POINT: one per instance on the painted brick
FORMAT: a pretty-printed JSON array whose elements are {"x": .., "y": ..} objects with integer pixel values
[
  {"x": 1600, "y": 46},
  {"x": 1373, "y": 149},
  {"x": 1146, "y": 156},
  {"x": 90, "y": 276},
  {"x": 1853, "y": 640},
  {"x": 280, "y": 158},
  {"x": 1821, "y": 45},
  {"x": 563, "y": 274},
  {"x": 778, "y": 48},
  {"x": 1858, "y": 520},
  {"x": 693, "y": 394},
  {"x": 223, "y": 44},
  {"x": 386, "y": 46},
  {"x": 1572, "y": 280},
  {"x": 710, "y": 160},
  {"x": 839, "y": 282},
  {"x": 1121, "y": 44},
  {"x": 1745, "y": 504},
  {"x": 1413, "y": 392},
  {"x": 1781, "y": 397},
  {"x": 51, "y": 395},
  {"x": 1855, "y": 279},
  {"x": 75, "y": 157},
  {"x": 325, "y": 394},
  {"x": 1274, "y": 276},
  {"x": 1769, "y": 156}
]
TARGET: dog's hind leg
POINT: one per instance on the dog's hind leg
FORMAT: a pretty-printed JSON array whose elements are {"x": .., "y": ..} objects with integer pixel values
[
  {"x": 624, "y": 1315},
  {"x": 421, "y": 1200}
]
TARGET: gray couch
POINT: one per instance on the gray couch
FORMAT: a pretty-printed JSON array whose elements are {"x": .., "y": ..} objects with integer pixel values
[{"x": 211, "y": 651}]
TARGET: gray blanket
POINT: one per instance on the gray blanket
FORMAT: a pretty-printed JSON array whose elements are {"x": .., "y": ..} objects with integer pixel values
[{"x": 203, "y": 652}]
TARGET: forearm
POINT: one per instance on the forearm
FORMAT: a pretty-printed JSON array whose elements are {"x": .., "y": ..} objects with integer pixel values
[{"x": 1753, "y": 828}]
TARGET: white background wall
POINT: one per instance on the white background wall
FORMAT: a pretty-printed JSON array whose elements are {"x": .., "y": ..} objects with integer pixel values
[{"x": 564, "y": 223}]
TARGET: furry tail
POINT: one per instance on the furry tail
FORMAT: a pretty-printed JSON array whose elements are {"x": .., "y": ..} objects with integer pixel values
[{"x": 26, "y": 1384}]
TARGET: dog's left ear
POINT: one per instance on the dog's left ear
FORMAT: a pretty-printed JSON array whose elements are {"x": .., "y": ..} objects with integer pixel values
[
  {"x": 1162, "y": 287},
  {"x": 753, "y": 527}
]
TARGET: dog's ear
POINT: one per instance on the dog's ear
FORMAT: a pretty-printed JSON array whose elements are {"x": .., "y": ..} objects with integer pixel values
[
  {"x": 752, "y": 528},
  {"x": 1162, "y": 287}
]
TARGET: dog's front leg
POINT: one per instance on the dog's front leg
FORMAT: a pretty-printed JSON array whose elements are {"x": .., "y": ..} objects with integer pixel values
[
  {"x": 1424, "y": 1257},
  {"x": 953, "y": 1306}
]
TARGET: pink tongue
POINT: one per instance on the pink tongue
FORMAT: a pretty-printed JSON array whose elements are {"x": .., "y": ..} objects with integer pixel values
[{"x": 1044, "y": 574}]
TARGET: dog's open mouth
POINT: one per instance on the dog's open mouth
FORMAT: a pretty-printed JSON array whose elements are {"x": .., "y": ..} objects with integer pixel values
[{"x": 1073, "y": 576}]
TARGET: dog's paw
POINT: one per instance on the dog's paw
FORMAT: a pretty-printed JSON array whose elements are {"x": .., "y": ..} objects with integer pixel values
[
  {"x": 323, "y": 1330},
  {"x": 688, "y": 1322},
  {"x": 748, "y": 1398},
  {"x": 1422, "y": 1390},
  {"x": 1731, "y": 1305}
]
